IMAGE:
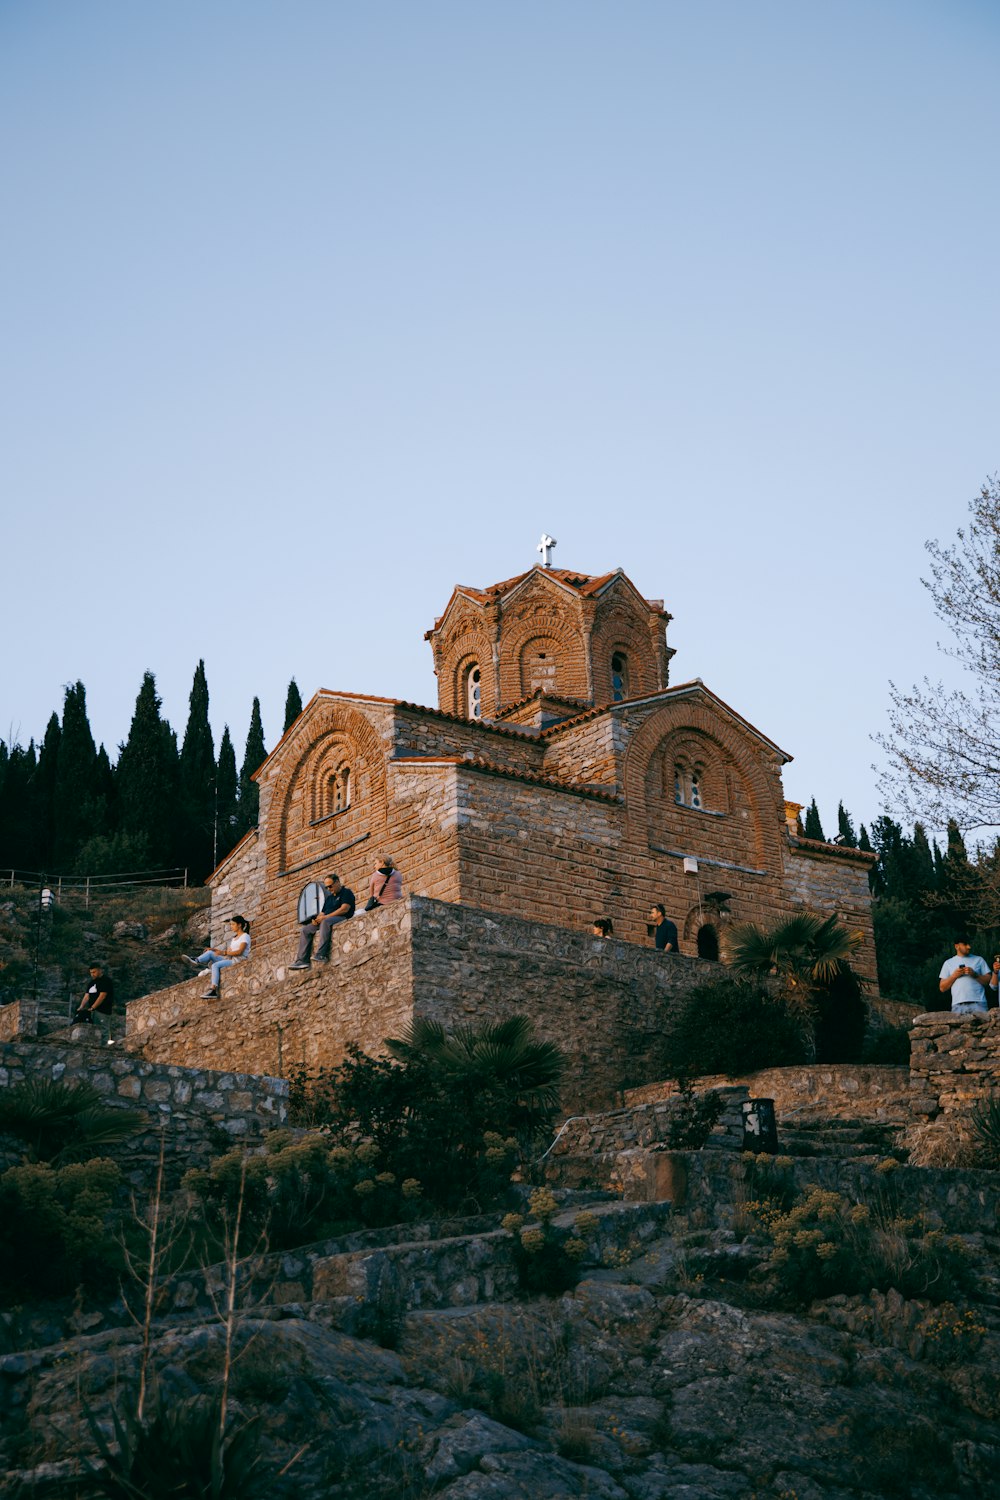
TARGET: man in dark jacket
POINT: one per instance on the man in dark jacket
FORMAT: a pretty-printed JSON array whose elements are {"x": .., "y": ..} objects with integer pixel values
[{"x": 338, "y": 906}]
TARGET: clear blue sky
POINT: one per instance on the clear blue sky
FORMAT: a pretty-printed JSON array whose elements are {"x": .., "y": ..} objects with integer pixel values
[{"x": 311, "y": 310}]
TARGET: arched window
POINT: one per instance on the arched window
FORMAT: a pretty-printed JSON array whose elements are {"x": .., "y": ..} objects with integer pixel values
[
  {"x": 708, "y": 942},
  {"x": 619, "y": 677},
  {"x": 473, "y": 693},
  {"x": 338, "y": 790},
  {"x": 311, "y": 898},
  {"x": 687, "y": 785}
]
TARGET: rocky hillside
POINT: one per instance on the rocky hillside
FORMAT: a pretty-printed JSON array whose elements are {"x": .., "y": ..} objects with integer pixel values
[
  {"x": 138, "y": 937},
  {"x": 405, "y": 1365}
]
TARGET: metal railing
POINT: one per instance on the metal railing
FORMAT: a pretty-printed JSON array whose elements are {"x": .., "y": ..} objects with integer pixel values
[{"x": 87, "y": 886}]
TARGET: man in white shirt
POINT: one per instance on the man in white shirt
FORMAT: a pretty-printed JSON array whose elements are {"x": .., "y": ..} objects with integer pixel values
[{"x": 965, "y": 977}]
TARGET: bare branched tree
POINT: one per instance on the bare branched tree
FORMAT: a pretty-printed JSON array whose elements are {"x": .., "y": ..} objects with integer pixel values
[{"x": 944, "y": 745}]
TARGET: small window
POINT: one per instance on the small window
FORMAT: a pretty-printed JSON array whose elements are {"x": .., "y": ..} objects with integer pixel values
[
  {"x": 311, "y": 899},
  {"x": 619, "y": 678},
  {"x": 338, "y": 790},
  {"x": 473, "y": 693},
  {"x": 687, "y": 785}
]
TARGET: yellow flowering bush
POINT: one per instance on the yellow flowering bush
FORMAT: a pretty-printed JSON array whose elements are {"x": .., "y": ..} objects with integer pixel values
[{"x": 826, "y": 1244}]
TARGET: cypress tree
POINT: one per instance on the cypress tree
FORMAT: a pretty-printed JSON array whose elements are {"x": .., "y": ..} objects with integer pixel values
[
  {"x": 845, "y": 827},
  {"x": 254, "y": 756},
  {"x": 814, "y": 828},
  {"x": 227, "y": 794},
  {"x": 864, "y": 842},
  {"x": 18, "y": 841},
  {"x": 293, "y": 705},
  {"x": 45, "y": 785},
  {"x": 77, "y": 809},
  {"x": 197, "y": 783},
  {"x": 146, "y": 781}
]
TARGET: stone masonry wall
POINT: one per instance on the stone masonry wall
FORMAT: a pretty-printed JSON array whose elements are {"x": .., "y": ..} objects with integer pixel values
[
  {"x": 824, "y": 1091},
  {"x": 268, "y": 1020},
  {"x": 602, "y": 1002},
  {"x": 954, "y": 1061},
  {"x": 824, "y": 884},
  {"x": 190, "y": 1107}
]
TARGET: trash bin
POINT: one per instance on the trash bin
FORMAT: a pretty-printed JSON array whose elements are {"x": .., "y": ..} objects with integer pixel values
[{"x": 760, "y": 1127}]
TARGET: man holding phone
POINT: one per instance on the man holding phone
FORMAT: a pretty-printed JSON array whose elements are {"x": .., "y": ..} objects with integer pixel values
[{"x": 965, "y": 977}]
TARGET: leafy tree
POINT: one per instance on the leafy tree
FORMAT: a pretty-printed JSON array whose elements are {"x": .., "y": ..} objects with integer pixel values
[
  {"x": 226, "y": 795},
  {"x": 813, "y": 826},
  {"x": 729, "y": 1026},
  {"x": 146, "y": 779},
  {"x": 197, "y": 783},
  {"x": 254, "y": 757},
  {"x": 943, "y": 747},
  {"x": 293, "y": 705}
]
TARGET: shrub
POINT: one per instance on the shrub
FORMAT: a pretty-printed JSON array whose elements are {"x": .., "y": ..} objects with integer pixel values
[
  {"x": 889, "y": 1045},
  {"x": 985, "y": 1121},
  {"x": 451, "y": 1110},
  {"x": 57, "y": 1227},
  {"x": 61, "y": 1121},
  {"x": 547, "y": 1258},
  {"x": 825, "y": 1245},
  {"x": 180, "y": 1450},
  {"x": 691, "y": 1119},
  {"x": 301, "y": 1190},
  {"x": 729, "y": 1026}
]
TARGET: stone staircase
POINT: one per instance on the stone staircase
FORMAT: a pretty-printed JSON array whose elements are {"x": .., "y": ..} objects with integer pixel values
[{"x": 855, "y": 1139}]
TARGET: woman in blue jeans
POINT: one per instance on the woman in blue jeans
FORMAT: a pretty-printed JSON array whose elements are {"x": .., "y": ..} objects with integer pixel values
[{"x": 239, "y": 948}]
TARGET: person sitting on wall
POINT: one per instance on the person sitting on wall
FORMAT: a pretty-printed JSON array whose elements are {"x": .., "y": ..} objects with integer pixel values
[
  {"x": 602, "y": 927},
  {"x": 239, "y": 948},
  {"x": 385, "y": 885},
  {"x": 965, "y": 976},
  {"x": 664, "y": 931},
  {"x": 338, "y": 906},
  {"x": 99, "y": 998}
]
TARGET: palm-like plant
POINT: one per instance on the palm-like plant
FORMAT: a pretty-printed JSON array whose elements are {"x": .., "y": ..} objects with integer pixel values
[
  {"x": 502, "y": 1058},
  {"x": 60, "y": 1121},
  {"x": 810, "y": 958}
]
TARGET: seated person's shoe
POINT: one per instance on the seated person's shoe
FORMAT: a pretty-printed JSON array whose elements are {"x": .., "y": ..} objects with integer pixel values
[
  {"x": 211, "y": 994},
  {"x": 192, "y": 961},
  {"x": 306, "y": 965}
]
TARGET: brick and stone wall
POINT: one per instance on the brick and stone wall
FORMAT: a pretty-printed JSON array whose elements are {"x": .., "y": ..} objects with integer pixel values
[
  {"x": 602, "y": 1002},
  {"x": 565, "y": 824}
]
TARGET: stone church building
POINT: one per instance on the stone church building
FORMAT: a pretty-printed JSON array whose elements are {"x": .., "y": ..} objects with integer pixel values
[{"x": 562, "y": 776}]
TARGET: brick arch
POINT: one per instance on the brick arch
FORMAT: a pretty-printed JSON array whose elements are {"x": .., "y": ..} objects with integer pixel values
[
  {"x": 692, "y": 750},
  {"x": 331, "y": 730},
  {"x": 544, "y": 623},
  {"x": 678, "y": 722},
  {"x": 620, "y": 630},
  {"x": 471, "y": 646}
]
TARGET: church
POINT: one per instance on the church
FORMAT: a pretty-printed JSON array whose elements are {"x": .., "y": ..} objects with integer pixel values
[{"x": 562, "y": 776}]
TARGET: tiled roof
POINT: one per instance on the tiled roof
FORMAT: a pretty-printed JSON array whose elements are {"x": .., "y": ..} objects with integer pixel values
[
  {"x": 679, "y": 689},
  {"x": 819, "y": 846}
]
